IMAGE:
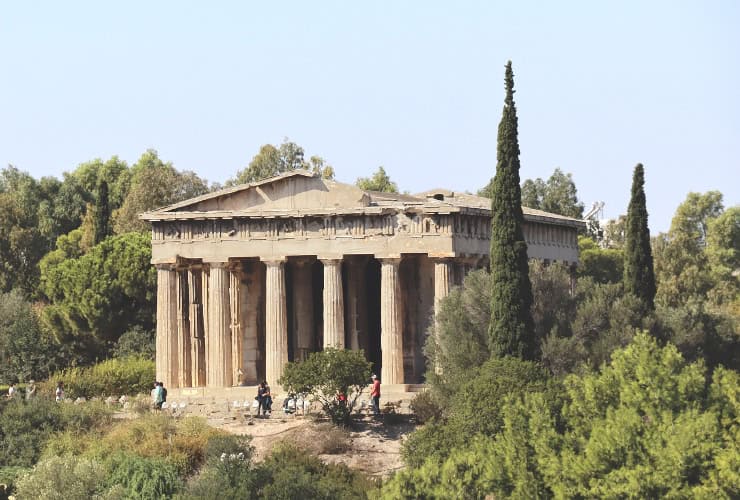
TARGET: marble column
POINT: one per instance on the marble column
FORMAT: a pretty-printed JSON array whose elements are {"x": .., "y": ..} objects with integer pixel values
[
  {"x": 276, "y": 321},
  {"x": 183, "y": 330},
  {"x": 218, "y": 335},
  {"x": 391, "y": 329},
  {"x": 357, "y": 303},
  {"x": 333, "y": 304},
  {"x": 442, "y": 281},
  {"x": 197, "y": 338},
  {"x": 235, "y": 327},
  {"x": 166, "y": 342},
  {"x": 303, "y": 324}
]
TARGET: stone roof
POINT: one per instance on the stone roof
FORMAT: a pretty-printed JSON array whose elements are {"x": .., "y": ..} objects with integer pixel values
[{"x": 322, "y": 197}]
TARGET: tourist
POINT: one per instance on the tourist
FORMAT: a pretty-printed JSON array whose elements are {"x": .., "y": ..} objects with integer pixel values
[
  {"x": 158, "y": 395},
  {"x": 11, "y": 391},
  {"x": 31, "y": 389},
  {"x": 59, "y": 393},
  {"x": 375, "y": 394},
  {"x": 264, "y": 398}
]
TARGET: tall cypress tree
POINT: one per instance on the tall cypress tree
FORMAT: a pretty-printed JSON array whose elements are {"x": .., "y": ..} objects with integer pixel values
[
  {"x": 639, "y": 277},
  {"x": 102, "y": 213},
  {"x": 511, "y": 331}
]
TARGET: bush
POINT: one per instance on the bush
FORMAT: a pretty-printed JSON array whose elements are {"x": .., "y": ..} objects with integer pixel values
[
  {"x": 136, "y": 342},
  {"x": 8, "y": 478},
  {"x": 137, "y": 477},
  {"x": 112, "y": 377},
  {"x": 62, "y": 478},
  {"x": 426, "y": 407},
  {"x": 328, "y": 373}
]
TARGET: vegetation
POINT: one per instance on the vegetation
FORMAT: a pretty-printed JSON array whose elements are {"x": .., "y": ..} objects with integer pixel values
[
  {"x": 275, "y": 160},
  {"x": 334, "y": 377},
  {"x": 112, "y": 377},
  {"x": 511, "y": 321},
  {"x": 639, "y": 278},
  {"x": 380, "y": 181}
]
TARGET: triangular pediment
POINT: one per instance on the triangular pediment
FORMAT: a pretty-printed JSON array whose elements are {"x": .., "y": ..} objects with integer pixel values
[{"x": 298, "y": 189}]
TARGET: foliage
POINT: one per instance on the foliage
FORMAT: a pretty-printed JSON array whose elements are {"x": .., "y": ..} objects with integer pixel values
[
  {"x": 324, "y": 375},
  {"x": 426, "y": 407},
  {"x": 62, "y": 478},
  {"x": 380, "y": 181},
  {"x": 639, "y": 277},
  {"x": 154, "y": 184},
  {"x": 134, "y": 477},
  {"x": 135, "y": 342},
  {"x": 603, "y": 265},
  {"x": 8, "y": 478},
  {"x": 511, "y": 329},
  {"x": 106, "y": 291},
  {"x": 644, "y": 426},
  {"x": 460, "y": 341},
  {"x": 26, "y": 351},
  {"x": 553, "y": 304},
  {"x": 26, "y": 426},
  {"x": 558, "y": 195},
  {"x": 476, "y": 408},
  {"x": 112, "y": 377},
  {"x": 102, "y": 213},
  {"x": 272, "y": 161}
]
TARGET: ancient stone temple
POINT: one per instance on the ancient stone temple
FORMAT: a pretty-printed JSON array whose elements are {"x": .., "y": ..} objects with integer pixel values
[{"x": 254, "y": 276}]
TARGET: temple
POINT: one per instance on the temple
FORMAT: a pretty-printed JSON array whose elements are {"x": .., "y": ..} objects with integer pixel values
[{"x": 257, "y": 275}]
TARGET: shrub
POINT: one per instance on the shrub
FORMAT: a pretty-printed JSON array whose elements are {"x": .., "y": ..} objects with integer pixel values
[
  {"x": 61, "y": 478},
  {"x": 328, "y": 373},
  {"x": 136, "y": 342},
  {"x": 426, "y": 407},
  {"x": 111, "y": 377},
  {"x": 8, "y": 478},
  {"x": 142, "y": 478}
]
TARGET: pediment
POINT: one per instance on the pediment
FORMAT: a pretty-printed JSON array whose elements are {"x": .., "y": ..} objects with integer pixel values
[{"x": 299, "y": 189}]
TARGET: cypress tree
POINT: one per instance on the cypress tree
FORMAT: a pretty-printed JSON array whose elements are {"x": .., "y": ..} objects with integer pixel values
[
  {"x": 511, "y": 330},
  {"x": 102, "y": 213},
  {"x": 639, "y": 277}
]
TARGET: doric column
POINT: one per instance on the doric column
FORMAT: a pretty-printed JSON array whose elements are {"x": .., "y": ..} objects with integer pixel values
[
  {"x": 442, "y": 281},
  {"x": 356, "y": 303},
  {"x": 235, "y": 327},
  {"x": 303, "y": 324},
  {"x": 218, "y": 335},
  {"x": 197, "y": 338},
  {"x": 391, "y": 332},
  {"x": 183, "y": 330},
  {"x": 333, "y": 304},
  {"x": 276, "y": 321},
  {"x": 166, "y": 343}
]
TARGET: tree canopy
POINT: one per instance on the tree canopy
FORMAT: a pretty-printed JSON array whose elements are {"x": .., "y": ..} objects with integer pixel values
[
  {"x": 639, "y": 277},
  {"x": 275, "y": 160},
  {"x": 380, "y": 181}
]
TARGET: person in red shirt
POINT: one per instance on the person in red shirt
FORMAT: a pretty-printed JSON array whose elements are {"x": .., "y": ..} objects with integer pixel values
[{"x": 375, "y": 394}]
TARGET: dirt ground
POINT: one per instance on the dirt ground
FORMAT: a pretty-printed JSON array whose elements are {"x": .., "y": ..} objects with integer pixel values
[{"x": 372, "y": 446}]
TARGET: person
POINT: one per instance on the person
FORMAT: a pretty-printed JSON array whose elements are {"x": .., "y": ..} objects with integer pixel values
[
  {"x": 59, "y": 393},
  {"x": 264, "y": 398},
  {"x": 375, "y": 394},
  {"x": 11, "y": 391},
  {"x": 158, "y": 395},
  {"x": 153, "y": 395},
  {"x": 31, "y": 389},
  {"x": 164, "y": 392}
]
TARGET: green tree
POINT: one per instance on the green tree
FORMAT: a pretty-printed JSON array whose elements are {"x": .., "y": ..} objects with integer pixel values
[
  {"x": 272, "y": 161},
  {"x": 604, "y": 265},
  {"x": 511, "y": 329},
  {"x": 102, "y": 213},
  {"x": 26, "y": 351},
  {"x": 378, "y": 182},
  {"x": 639, "y": 277},
  {"x": 325, "y": 374},
  {"x": 106, "y": 291},
  {"x": 154, "y": 184},
  {"x": 681, "y": 262}
]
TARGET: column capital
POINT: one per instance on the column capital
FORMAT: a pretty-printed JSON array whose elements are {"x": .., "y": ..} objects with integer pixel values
[
  {"x": 217, "y": 265},
  {"x": 273, "y": 261},
  {"x": 165, "y": 267},
  {"x": 330, "y": 258}
]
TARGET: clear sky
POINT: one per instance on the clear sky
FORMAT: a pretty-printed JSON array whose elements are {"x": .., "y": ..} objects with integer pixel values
[{"x": 415, "y": 86}]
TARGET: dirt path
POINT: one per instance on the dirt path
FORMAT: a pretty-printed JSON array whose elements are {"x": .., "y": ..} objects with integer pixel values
[{"x": 371, "y": 446}]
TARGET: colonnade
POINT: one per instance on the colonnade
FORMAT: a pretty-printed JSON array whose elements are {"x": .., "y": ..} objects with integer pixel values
[{"x": 200, "y": 309}]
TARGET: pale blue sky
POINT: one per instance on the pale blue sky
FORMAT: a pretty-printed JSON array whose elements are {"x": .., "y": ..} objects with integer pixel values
[{"x": 414, "y": 86}]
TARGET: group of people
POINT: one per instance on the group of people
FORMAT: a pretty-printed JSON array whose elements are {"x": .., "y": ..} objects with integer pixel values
[
  {"x": 264, "y": 399},
  {"x": 30, "y": 390},
  {"x": 159, "y": 395}
]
